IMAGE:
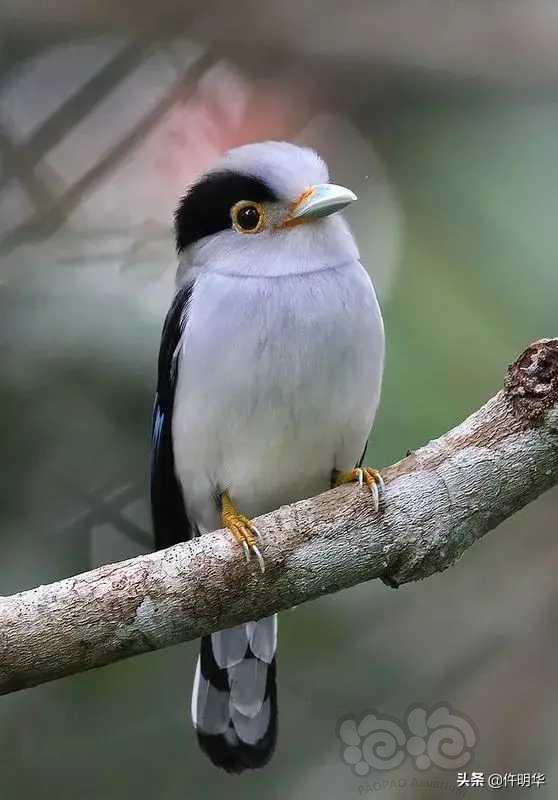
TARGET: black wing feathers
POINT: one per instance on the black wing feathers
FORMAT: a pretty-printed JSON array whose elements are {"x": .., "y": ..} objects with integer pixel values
[{"x": 170, "y": 522}]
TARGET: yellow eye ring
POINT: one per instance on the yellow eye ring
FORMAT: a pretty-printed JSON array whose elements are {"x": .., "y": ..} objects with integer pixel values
[{"x": 247, "y": 216}]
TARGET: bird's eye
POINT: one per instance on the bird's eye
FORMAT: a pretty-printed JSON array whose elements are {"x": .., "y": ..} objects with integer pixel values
[{"x": 247, "y": 217}]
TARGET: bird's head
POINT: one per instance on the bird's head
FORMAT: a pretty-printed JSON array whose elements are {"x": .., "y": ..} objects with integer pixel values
[{"x": 264, "y": 209}]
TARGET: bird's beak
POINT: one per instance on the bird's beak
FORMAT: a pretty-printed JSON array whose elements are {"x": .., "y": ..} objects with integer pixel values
[{"x": 319, "y": 201}]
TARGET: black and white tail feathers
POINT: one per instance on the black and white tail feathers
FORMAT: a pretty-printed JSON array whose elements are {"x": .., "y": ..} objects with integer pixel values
[{"x": 234, "y": 699}]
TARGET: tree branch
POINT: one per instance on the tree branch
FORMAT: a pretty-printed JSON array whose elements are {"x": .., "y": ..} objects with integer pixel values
[{"x": 439, "y": 500}]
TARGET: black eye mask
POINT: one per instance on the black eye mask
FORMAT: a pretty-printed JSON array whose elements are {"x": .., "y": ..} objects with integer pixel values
[{"x": 206, "y": 208}]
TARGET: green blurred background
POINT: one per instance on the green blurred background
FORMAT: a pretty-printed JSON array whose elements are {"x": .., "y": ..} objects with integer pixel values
[{"x": 445, "y": 123}]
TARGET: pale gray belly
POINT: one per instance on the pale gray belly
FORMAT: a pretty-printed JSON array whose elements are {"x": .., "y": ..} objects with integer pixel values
[{"x": 278, "y": 384}]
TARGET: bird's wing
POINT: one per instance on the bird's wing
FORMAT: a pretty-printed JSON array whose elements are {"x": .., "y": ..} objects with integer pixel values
[
  {"x": 170, "y": 521},
  {"x": 361, "y": 459}
]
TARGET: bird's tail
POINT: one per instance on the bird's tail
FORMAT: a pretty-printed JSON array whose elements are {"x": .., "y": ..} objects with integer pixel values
[{"x": 234, "y": 700}]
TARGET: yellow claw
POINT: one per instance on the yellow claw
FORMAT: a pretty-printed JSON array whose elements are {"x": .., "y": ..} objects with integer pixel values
[
  {"x": 364, "y": 475},
  {"x": 241, "y": 529}
]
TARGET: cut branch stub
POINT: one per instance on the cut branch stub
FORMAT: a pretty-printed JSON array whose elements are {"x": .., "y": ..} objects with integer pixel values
[{"x": 532, "y": 380}]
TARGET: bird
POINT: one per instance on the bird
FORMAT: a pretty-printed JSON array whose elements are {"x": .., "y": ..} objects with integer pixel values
[{"x": 268, "y": 382}]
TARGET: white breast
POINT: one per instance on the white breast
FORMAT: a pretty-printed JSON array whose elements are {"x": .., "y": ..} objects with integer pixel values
[{"x": 278, "y": 383}]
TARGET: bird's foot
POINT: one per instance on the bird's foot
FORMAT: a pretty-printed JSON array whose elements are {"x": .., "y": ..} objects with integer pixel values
[
  {"x": 364, "y": 475},
  {"x": 242, "y": 530}
]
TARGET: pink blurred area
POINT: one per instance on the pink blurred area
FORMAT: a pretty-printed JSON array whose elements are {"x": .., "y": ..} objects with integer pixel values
[
  {"x": 110, "y": 134},
  {"x": 184, "y": 128},
  {"x": 225, "y": 111}
]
